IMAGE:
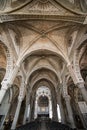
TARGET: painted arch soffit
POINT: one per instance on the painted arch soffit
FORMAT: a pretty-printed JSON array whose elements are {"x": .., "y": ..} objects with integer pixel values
[{"x": 60, "y": 7}]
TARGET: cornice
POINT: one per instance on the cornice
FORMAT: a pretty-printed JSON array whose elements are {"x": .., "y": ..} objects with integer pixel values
[{"x": 21, "y": 17}]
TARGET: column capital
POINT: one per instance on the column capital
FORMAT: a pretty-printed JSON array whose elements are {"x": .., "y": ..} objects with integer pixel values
[
  {"x": 73, "y": 74},
  {"x": 60, "y": 85},
  {"x": 20, "y": 98},
  {"x": 69, "y": 64},
  {"x": 21, "y": 95},
  {"x": 5, "y": 85},
  {"x": 3, "y": 90},
  {"x": 67, "y": 97},
  {"x": 80, "y": 85},
  {"x": 17, "y": 64},
  {"x": 59, "y": 88}
]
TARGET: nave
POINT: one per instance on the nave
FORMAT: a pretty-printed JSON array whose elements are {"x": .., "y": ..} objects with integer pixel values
[{"x": 43, "y": 64}]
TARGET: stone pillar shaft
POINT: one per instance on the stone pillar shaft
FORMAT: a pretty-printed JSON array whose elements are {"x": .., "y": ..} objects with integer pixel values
[
  {"x": 35, "y": 112},
  {"x": 78, "y": 82},
  {"x": 59, "y": 100},
  {"x": 27, "y": 109},
  {"x": 20, "y": 99},
  {"x": 16, "y": 116},
  {"x": 69, "y": 110},
  {"x": 61, "y": 112},
  {"x": 50, "y": 109},
  {"x": 25, "y": 115},
  {"x": 2, "y": 94},
  {"x": 83, "y": 91},
  {"x": 8, "y": 83}
]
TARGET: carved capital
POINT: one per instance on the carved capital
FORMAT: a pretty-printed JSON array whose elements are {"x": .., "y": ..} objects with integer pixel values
[
  {"x": 67, "y": 97},
  {"x": 5, "y": 85},
  {"x": 76, "y": 78},
  {"x": 17, "y": 65},
  {"x": 20, "y": 98},
  {"x": 80, "y": 85}
]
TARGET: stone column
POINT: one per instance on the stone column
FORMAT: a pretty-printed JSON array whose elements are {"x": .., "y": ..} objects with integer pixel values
[
  {"x": 58, "y": 113},
  {"x": 36, "y": 107},
  {"x": 59, "y": 91},
  {"x": 83, "y": 91},
  {"x": 86, "y": 81},
  {"x": 69, "y": 110},
  {"x": 32, "y": 108},
  {"x": 8, "y": 4},
  {"x": 6, "y": 112},
  {"x": 27, "y": 109},
  {"x": 16, "y": 115},
  {"x": 8, "y": 83},
  {"x": 3, "y": 91},
  {"x": 78, "y": 82},
  {"x": 50, "y": 109},
  {"x": 27, "y": 114},
  {"x": 20, "y": 99},
  {"x": 61, "y": 111}
]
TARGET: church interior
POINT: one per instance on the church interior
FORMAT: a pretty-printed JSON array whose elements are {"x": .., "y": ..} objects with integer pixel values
[{"x": 43, "y": 64}]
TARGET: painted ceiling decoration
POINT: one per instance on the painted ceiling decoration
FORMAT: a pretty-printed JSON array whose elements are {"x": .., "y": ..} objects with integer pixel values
[
  {"x": 74, "y": 6},
  {"x": 54, "y": 10}
]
